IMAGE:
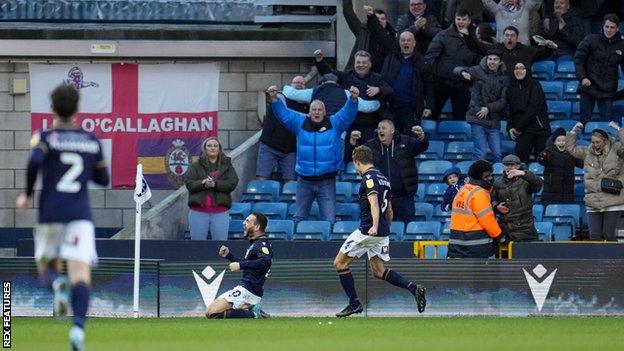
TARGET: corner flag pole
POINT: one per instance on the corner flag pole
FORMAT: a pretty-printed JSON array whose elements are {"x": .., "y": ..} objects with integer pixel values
[{"x": 142, "y": 193}]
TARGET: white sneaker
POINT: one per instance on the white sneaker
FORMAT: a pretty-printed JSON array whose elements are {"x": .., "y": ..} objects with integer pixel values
[
  {"x": 61, "y": 296},
  {"x": 76, "y": 338}
]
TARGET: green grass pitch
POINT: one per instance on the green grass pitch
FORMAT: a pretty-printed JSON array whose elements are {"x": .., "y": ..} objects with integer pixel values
[{"x": 378, "y": 334}]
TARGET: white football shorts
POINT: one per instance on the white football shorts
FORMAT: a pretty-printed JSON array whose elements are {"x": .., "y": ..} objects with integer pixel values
[
  {"x": 69, "y": 241},
  {"x": 357, "y": 244},
  {"x": 240, "y": 298}
]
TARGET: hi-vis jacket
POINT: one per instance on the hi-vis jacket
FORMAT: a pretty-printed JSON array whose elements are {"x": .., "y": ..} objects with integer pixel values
[{"x": 473, "y": 224}]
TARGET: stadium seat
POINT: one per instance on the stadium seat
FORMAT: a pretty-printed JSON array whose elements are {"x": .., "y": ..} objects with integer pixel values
[
  {"x": 430, "y": 252},
  {"x": 446, "y": 231},
  {"x": 565, "y": 70},
  {"x": 343, "y": 229},
  {"x": 590, "y": 126},
  {"x": 579, "y": 174},
  {"x": 441, "y": 216},
  {"x": 464, "y": 166},
  {"x": 315, "y": 212},
  {"x": 423, "y": 211},
  {"x": 566, "y": 124},
  {"x": 312, "y": 230},
  {"x": 261, "y": 191},
  {"x": 498, "y": 169},
  {"x": 432, "y": 171},
  {"x": 355, "y": 190},
  {"x": 435, "y": 151},
  {"x": 538, "y": 212},
  {"x": 508, "y": 147},
  {"x": 537, "y": 197},
  {"x": 544, "y": 70},
  {"x": 459, "y": 150},
  {"x": 420, "y": 192},
  {"x": 289, "y": 192},
  {"x": 576, "y": 110},
  {"x": 544, "y": 230},
  {"x": 273, "y": 210},
  {"x": 397, "y": 230},
  {"x": 240, "y": 210},
  {"x": 447, "y": 109},
  {"x": 281, "y": 229},
  {"x": 559, "y": 109},
  {"x": 422, "y": 231},
  {"x": 350, "y": 174},
  {"x": 343, "y": 192},
  {"x": 453, "y": 130},
  {"x": 553, "y": 90},
  {"x": 579, "y": 192},
  {"x": 347, "y": 212},
  {"x": 536, "y": 168},
  {"x": 566, "y": 218},
  {"x": 235, "y": 229},
  {"x": 570, "y": 92},
  {"x": 435, "y": 192},
  {"x": 429, "y": 127}
]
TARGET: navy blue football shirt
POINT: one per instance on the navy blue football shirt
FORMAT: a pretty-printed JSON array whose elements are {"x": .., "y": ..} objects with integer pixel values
[
  {"x": 373, "y": 182},
  {"x": 255, "y": 265}
]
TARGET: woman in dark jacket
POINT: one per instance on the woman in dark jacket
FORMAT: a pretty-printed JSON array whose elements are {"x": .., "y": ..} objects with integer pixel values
[
  {"x": 558, "y": 170},
  {"x": 210, "y": 181},
  {"x": 528, "y": 119}
]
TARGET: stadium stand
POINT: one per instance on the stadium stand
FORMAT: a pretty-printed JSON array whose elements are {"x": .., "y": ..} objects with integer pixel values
[{"x": 312, "y": 230}]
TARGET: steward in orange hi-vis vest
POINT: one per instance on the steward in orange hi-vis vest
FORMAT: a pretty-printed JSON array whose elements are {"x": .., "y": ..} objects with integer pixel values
[{"x": 473, "y": 223}]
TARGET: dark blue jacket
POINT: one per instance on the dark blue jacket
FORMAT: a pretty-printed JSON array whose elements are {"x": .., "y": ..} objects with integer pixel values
[
  {"x": 317, "y": 145},
  {"x": 255, "y": 265},
  {"x": 451, "y": 191}
]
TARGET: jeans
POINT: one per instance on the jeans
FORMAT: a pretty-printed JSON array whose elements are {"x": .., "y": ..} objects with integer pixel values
[
  {"x": 457, "y": 92},
  {"x": 200, "y": 223},
  {"x": 268, "y": 158},
  {"x": 324, "y": 191},
  {"x": 529, "y": 143},
  {"x": 605, "y": 108},
  {"x": 482, "y": 137},
  {"x": 403, "y": 209},
  {"x": 602, "y": 225},
  {"x": 404, "y": 117}
]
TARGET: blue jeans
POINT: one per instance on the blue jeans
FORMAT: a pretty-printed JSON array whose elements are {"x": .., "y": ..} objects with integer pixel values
[
  {"x": 200, "y": 223},
  {"x": 605, "y": 108},
  {"x": 482, "y": 137},
  {"x": 324, "y": 191},
  {"x": 268, "y": 158}
]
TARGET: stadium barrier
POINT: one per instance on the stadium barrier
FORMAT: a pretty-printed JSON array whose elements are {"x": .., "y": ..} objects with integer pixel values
[{"x": 311, "y": 288}]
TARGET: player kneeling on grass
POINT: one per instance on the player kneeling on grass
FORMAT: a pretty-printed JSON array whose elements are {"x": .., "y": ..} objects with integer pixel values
[
  {"x": 372, "y": 235},
  {"x": 68, "y": 158},
  {"x": 243, "y": 301}
]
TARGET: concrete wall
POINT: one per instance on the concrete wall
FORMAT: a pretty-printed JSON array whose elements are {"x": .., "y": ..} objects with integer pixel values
[{"x": 238, "y": 101}]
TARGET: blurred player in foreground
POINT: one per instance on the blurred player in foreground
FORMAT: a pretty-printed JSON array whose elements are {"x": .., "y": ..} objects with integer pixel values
[
  {"x": 372, "y": 236},
  {"x": 68, "y": 159},
  {"x": 243, "y": 301}
]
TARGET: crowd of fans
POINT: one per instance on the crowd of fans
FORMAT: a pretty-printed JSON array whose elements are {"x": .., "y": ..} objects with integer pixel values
[{"x": 400, "y": 74}]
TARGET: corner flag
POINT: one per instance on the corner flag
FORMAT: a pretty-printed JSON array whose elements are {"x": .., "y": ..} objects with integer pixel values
[{"x": 142, "y": 191}]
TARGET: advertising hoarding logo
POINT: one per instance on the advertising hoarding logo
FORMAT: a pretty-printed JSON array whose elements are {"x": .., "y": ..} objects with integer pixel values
[
  {"x": 207, "y": 290},
  {"x": 539, "y": 290}
]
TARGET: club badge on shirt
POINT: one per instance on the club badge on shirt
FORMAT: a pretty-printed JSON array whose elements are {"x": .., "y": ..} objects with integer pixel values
[{"x": 370, "y": 183}]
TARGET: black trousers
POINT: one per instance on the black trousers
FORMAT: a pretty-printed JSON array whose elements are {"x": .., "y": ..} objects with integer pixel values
[
  {"x": 527, "y": 144},
  {"x": 459, "y": 95}
]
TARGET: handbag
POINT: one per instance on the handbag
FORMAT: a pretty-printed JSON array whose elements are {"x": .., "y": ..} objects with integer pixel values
[{"x": 611, "y": 186}]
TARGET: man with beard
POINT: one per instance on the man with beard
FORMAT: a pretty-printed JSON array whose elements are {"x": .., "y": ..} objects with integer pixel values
[{"x": 243, "y": 300}]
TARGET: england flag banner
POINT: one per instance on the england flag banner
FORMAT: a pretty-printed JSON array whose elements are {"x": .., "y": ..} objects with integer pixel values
[{"x": 153, "y": 114}]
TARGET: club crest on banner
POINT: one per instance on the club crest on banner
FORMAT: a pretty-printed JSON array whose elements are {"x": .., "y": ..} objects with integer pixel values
[
  {"x": 75, "y": 78},
  {"x": 177, "y": 162}
]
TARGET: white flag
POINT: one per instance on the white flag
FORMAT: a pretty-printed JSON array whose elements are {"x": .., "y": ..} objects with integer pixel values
[{"x": 142, "y": 191}]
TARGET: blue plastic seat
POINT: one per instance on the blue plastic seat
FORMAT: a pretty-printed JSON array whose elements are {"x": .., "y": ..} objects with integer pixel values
[
  {"x": 350, "y": 174},
  {"x": 424, "y": 211},
  {"x": 590, "y": 126},
  {"x": 261, "y": 190},
  {"x": 508, "y": 147},
  {"x": 273, "y": 210},
  {"x": 570, "y": 91},
  {"x": 459, "y": 150},
  {"x": 536, "y": 168},
  {"x": 347, "y": 212},
  {"x": 464, "y": 166},
  {"x": 289, "y": 192},
  {"x": 544, "y": 230},
  {"x": 281, "y": 229},
  {"x": 537, "y": 197},
  {"x": 565, "y": 70},
  {"x": 235, "y": 229},
  {"x": 397, "y": 231},
  {"x": 240, "y": 210},
  {"x": 453, "y": 130},
  {"x": 355, "y": 190},
  {"x": 315, "y": 212},
  {"x": 441, "y": 216},
  {"x": 429, "y": 127},
  {"x": 432, "y": 171},
  {"x": 435, "y": 192},
  {"x": 343, "y": 229},
  {"x": 419, "y": 230},
  {"x": 447, "y": 109},
  {"x": 559, "y": 109},
  {"x": 420, "y": 192},
  {"x": 446, "y": 231},
  {"x": 579, "y": 174},
  {"x": 538, "y": 212},
  {"x": 343, "y": 192},
  {"x": 312, "y": 230},
  {"x": 566, "y": 124},
  {"x": 498, "y": 169},
  {"x": 566, "y": 218},
  {"x": 435, "y": 151},
  {"x": 579, "y": 192},
  {"x": 553, "y": 90},
  {"x": 544, "y": 70}
]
